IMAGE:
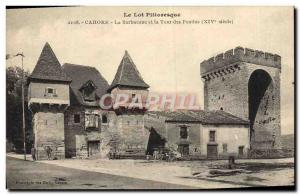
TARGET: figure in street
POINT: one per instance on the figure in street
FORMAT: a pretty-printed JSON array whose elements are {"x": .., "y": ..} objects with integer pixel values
[
  {"x": 33, "y": 153},
  {"x": 48, "y": 151}
]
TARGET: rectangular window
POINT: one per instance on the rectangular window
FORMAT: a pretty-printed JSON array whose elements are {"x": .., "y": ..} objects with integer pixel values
[
  {"x": 104, "y": 119},
  {"x": 76, "y": 118},
  {"x": 91, "y": 121},
  {"x": 225, "y": 148},
  {"x": 183, "y": 132},
  {"x": 51, "y": 92},
  {"x": 133, "y": 98},
  {"x": 212, "y": 136},
  {"x": 241, "y": 150}
]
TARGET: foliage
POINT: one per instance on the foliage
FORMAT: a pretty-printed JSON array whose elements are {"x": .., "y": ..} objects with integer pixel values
[{"x": 14, "y": 133}]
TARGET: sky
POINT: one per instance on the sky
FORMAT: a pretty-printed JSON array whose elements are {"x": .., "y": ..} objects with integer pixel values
[{"x": 168, "y": 56}]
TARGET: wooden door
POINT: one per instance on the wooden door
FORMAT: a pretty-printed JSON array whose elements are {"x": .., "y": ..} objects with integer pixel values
[
  {"x": 212, "y": 151},
  {"x": 93, "y": 147}
]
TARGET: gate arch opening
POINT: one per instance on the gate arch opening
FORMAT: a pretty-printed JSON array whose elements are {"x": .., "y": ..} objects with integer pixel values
[{"x": 259, "y": 82}]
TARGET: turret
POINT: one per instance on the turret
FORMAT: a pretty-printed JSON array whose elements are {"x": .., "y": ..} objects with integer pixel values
[
  {"x": 48, "y": 98},
  {"x": 129, "y": 82},
  {"x": 48, "y": 84}
]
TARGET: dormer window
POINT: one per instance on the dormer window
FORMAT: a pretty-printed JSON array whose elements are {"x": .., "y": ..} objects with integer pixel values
[{"x": 88, "y": 91}]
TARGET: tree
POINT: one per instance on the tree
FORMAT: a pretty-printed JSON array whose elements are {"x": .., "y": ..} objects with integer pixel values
[{"x": 14, "y": 134}]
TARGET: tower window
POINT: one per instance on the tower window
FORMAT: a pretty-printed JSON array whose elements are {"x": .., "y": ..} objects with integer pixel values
[
  {"x": 133, "y": 96},
  {"x": 183, "y": 132},
  {"x": 76, "y": 118},
  {"x": 49, "y": 91},
  {"x": 104, "y": 118}
]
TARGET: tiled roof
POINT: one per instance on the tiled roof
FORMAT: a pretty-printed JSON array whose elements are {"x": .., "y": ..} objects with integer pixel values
[
  {"x": 217, "y": 117},
  {"x": 48, "y": 67},
  {"x": 128, "y": 75},
  {"x": 157, "y": 119},
  {"x": 81, "y": 75},
  {"x": 206, "y": 117}
]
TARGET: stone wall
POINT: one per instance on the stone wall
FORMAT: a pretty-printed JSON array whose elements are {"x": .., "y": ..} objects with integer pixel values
[
  {"x": 173, "y": 137},
  {"x": 228, "y": 92},
  {"x": 231, "y": 135},
  {"x": 71, "y": 130},
  {"x": 49, "y": 131},
  {"x": 77, "y": 137},
  {"x": 132, "y": 131}
]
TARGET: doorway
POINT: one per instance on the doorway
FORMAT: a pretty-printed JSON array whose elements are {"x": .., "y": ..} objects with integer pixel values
[
  {"x": 93, "y": 148},
  {"x": 241, "y": 151},
  {"x": 155, "y": 142},
  {"x": 212, "y": 151},
  {"x": 183, "y": 149},
  {"x": 261, "y": 96}
]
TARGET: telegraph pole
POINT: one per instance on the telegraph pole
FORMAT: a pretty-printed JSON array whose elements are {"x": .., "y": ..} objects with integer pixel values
[{"x": 23, "y": 106}]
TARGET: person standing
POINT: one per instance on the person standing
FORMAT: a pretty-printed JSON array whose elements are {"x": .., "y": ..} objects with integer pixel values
[
  {"x": 33, "y": 153},
  {"x": 48, "y": 151}
]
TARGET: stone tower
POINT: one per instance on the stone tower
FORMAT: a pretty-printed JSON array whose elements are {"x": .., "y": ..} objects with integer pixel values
[
  {"x": 48, "y": 98},
  {"x": 246, "y": 83},
  {"x": 130, "y": 120}
]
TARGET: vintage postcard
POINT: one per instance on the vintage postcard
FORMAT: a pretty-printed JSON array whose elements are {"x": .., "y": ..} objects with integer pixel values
[{"x": 165, "y": 98}]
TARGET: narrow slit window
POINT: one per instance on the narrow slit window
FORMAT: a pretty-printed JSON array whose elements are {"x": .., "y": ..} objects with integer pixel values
[
  {"x": 76, "y": 118},
  {"x": 104, "y": 119}
]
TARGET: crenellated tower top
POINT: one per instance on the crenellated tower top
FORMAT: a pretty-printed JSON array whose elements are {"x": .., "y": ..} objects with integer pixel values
[{"x": 240, "y": 54}]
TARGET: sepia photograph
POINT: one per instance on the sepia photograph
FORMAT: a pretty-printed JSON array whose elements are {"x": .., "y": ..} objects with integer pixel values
[{"x": 150, "y": 98}]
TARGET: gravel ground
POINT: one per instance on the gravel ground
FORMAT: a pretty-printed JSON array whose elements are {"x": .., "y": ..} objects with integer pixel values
[{"x": 199, "y": 174}]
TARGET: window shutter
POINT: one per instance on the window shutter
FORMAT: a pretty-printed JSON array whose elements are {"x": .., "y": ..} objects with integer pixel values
[
  {"x": 96, "y": 121},
  {"x": 99, "y": 123},
  {"x": 86, "y": 121}
]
